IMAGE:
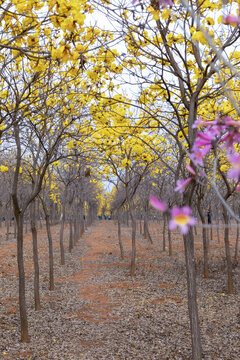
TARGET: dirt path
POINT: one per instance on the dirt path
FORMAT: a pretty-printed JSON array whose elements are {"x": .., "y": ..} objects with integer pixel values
[{"x": 97, "y": 311}]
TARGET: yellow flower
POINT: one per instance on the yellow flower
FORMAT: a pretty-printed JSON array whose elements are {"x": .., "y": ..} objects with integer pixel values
[
  {"x": 199, "y": 36},
  {"x": 3, "y": 168}
]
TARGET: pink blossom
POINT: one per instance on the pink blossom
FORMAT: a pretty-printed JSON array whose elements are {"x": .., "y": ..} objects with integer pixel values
[
  {"x": 198, "y": 154},
  {"x": 232, "y": 20},
  {"x": 229, "y": 122},
  {"x": 234, "y": 172},
  {"x": 181, "y": 185},
  {"x": 159, "y": 205},
  {"x": 199, "y": 122},
  {"x": 232, "y": 137},
  {"x": 190, "y": 169},
  {"x": 163, "y": 3},
  {"x": 181, "y": 218},
  {"x": 238, "y": 188}
]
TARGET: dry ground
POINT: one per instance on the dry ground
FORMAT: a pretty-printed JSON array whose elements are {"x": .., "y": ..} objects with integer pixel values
[{"x": 97, "y": 311}]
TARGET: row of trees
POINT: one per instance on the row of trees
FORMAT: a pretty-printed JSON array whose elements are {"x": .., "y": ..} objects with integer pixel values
[{"x": 72, "y": 105}]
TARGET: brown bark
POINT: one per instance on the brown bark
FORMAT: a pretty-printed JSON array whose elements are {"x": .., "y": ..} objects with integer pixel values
[
  {"x": 119, "y": 236},
  {"x": 169, "y": 242},
  {"x": 62, "y": 252},
  {"x": 218, "y": 235},
  {"x": 164, "y": 233},
  {"x": 140, "y": 225},
  {"x": 35, "y": 256},
  {"x": 147, "y": 234},
  {"x": 70, "y": 246},
  {"x": 21, "y": 278},
  {"x": 205, "y": 242},
  {"x": 50, "y": 247},
  {"x": 133, "y": 257},
  {"x": 192, "y": 296},
  {"x": 228, "y": 253},
  {"x": 236, "y": 243}
]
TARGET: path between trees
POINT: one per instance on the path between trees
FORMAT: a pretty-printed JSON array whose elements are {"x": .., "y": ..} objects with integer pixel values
[{"x": 97, "y": 311}]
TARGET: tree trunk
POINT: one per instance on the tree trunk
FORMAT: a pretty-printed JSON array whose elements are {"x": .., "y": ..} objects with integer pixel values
[
  {"x": 133, "y": 221},
  {"x": 50, "y": 247},
  {"x": 192, "y": 296},
  {"x": 218, "y": 235},
  {"x": 26, "y": 226},
  {"x": 164, "y": 232},
  {"x": 169, "y": 242},
  {"x": 81, "y": 212},
  {"x": 133, "y": 258},
  {"x": 228, "y": 252},
  {"x": 8, "y": 224},
  {"x": 205, "y": 242},
  {"x": 70, "y": 247},
  {"x": 21, "y": 277},
  {"x": 195, "y": 230},
  {"x": 119, "y": 236},
  {"x": 35, "y": 256},
  {"x": 62, "y": 253},
  {"x": 146, "y": 228},
  {"x": 140, "y": 225},
  {"x": 75, "y": 236},
  {"x": 236, "y": 243}
]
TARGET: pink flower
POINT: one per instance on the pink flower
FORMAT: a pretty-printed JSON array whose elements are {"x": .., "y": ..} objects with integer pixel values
[
  {"x": 159, "y": 205},
  {"x": 238, "y": 188},
  {"x": 190, "y": 169},
  {"x": 232, "y": 20},
  {"x": 234, "y": 172},
  {"x": 198, "y": 123},
  {"x": 163, "y": 3},
  {"x": 181, "y": 184},
  {"x": 198, "y": 154},
  {"x": 181, "y": 218},
  {"x": 229, "y": 122}
]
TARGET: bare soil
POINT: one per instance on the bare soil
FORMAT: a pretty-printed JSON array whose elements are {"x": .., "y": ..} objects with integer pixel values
[{"x": 97, "y": 311}]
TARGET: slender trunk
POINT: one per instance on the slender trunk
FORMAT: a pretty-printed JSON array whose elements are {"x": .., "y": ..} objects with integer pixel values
[
  {"x": 218, "y": 235},
  {"x": 26, "y": 226},
  {"x": 62, "y": 253},
  {"x": 195, "y": 230},
  {"x": 133, "y": 258},
  {"x": 236, "y": 243},
  {"x": 8, "y": 229},
  {"x": 35, "y": 256},
  {"x": 21, "y": 277},
  {"x": 50, "y": 247},
  {"x": 15, "y": 229},
  {"x": 119, "y": 236},
  {"x": 164, "y": 232},
  {"x": 75, "y": 236},
  {"x": 228, "y": 253},
  {"x": 146, "y": 228},
  {"x": 169, "y": 242},
  {"x": 133, "y": 221},
  {"x": 81, "y": 209},
  {"x": 205, "y": 242},
  {"x": 70, "y": 247},
  {"x": 205, "y": 253},
  {"x": 192, "y": 296}
]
